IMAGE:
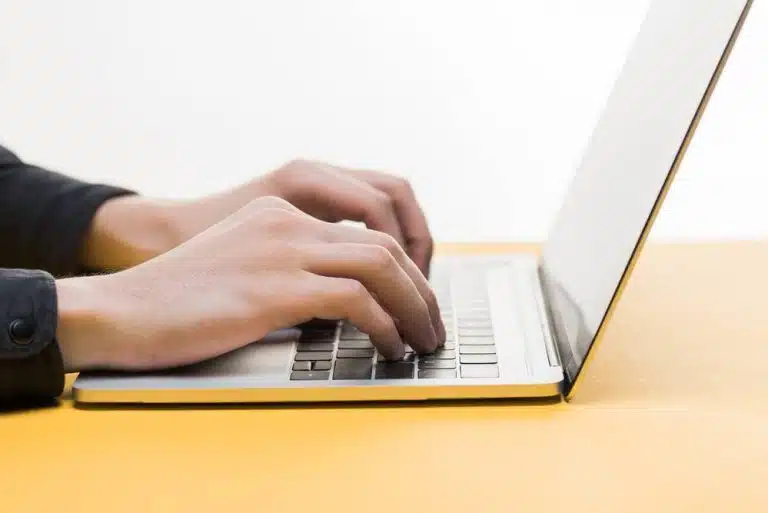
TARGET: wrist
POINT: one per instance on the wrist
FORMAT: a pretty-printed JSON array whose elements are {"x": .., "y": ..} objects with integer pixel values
[
  {"x": 83, "y": 328},
  {"x": 127, "y": 231}
]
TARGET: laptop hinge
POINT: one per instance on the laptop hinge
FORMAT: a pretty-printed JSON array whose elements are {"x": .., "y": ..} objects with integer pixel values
[{"x": 547, "y": 328}]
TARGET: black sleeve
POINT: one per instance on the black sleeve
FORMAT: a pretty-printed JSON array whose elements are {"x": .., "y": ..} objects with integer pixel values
[
  {"x": 45, "y": 216},
  {"x": 44, "y": 219},
  {"x": 31, "y": 368}
]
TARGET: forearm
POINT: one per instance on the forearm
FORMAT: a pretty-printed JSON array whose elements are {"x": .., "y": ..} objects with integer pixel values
[
  {"x": 128, "y": 231},
  {"x": 45, "y": 216}
]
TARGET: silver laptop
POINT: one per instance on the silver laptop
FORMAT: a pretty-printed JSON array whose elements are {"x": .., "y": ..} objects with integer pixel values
[{"x": 518, "y": 325}]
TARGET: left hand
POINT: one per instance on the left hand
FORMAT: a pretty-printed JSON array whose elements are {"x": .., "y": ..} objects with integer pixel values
[{"x": 128, "y": 231}]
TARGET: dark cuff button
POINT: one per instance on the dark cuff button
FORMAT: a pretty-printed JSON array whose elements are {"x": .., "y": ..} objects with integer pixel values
[{"x": 21, "y": 331}]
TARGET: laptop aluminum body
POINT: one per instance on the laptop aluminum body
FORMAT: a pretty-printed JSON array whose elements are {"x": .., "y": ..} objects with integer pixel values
[{"x": 547, "y": 312}]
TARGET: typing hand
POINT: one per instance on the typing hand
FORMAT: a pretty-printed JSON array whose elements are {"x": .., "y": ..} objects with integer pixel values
[
  {"x": 128, "y": 231},
  {"x": 265, "y": 267}
]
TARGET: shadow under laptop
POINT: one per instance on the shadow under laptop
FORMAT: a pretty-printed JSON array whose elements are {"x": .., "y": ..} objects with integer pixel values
[{"x": 432, "y": 403}]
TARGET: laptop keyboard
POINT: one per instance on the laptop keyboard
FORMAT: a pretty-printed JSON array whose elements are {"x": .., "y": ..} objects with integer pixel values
[{"x": 328, "y": 350}]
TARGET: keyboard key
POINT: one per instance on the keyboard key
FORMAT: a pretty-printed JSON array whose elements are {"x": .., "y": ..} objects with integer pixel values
[
  {"x": 449, "y": 345},
  {"x": 464, "y": 319},
  {"x": 355, "y": 336},
  {"x": 355, "y": 344},
  {"x": 474, "y": 321},
  {"x": 314, "y": 346},
  {"x": 477, "y": 350},
  {"x": 317, "y": 333},
  {"x": 475, "y": 341},
  {"x": 482, "y": 314},
  {"x": 437, "y": 374},
  {"x": 475, "y": 332},
  {"x": 440, "y": 355},
  {"x": 408, "y": 357},
  {"x": 473, "y": 290},
  {"x": 394, "y": 370},
  {"x": 474, "y": 313},
  {"x": 479, "y": 371},
  {"x": 355, "y": 353},
  {"x": 321, "y": 366},
  {"x": 349, "y": 332},
  {"x": 479, "y": 358},
  {"x": 353, "y": 369},
  {"x": 313, "y": 356},
  {"x": 314, "y": 337},
  {"x": 437, "y": 364},
  {"x": 310, "y": 375},
  {"x": 485, "y": 323},
  {"x": 302, "y": 366}
]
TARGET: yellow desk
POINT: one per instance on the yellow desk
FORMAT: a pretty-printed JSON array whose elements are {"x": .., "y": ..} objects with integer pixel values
[{"x": 673, "y": 417}]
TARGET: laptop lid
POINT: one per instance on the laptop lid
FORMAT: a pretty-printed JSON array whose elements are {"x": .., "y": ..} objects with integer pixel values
[{"x": 628, "y": 166}]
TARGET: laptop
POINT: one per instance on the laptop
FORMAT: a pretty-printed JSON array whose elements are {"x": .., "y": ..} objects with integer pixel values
[{"x": 519, "y": 325}]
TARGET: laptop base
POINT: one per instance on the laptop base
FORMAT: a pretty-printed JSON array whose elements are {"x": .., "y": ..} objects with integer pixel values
[{"x": 498, "y": 347}]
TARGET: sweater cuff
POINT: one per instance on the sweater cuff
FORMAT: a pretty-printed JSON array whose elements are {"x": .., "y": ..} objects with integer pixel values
[{"x": 31, "y": 367}]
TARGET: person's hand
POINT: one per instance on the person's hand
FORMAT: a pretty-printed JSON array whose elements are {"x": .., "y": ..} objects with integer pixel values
[
  {"x": 128, "y": 231},
  {"x": 265, "y": 267}
]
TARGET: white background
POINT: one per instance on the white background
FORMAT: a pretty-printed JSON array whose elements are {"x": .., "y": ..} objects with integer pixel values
[{"x": 485, "y": 105}]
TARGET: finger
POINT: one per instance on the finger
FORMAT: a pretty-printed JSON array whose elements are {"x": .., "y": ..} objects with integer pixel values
[
  {"x": 413, "y": 222},
  {"x": 339, "y": 233},
  {"x": 376, "y": 268},
  {"x": 348, "y": 299},
  {"x": 336, "y": 196}
]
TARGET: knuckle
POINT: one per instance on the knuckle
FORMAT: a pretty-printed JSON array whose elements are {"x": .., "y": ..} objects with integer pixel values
[
  {"x": 251, "y": 207},
  {"x": 274, "y": 202},
  {"x": 295, "y": 168},
  {"x": 354, "y": 292},
  {"x": 431, "y": 297},
  {"x": 255, "y": 206},
  {"x": 296, "y": 163},
  {"x": 403, "y": 185},
  {"x": 422, "y": 309},
  {"x": 389, "y": 243},
  {"x": 288, "y": 173},
  {"x": 379, "y": 257},
  {"x": 384, "y": 201},
  {"x": 276, "y": 219}
]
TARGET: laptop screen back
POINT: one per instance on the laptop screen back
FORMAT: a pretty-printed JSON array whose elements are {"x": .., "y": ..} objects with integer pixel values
[{"x": 628, "y": 164}]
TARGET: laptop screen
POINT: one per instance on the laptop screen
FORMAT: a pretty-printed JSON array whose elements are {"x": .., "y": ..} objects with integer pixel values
[{"x": 627, "y": 166}]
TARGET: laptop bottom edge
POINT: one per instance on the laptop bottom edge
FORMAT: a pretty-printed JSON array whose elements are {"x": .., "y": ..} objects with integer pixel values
[{"x": 419, "y": 392}]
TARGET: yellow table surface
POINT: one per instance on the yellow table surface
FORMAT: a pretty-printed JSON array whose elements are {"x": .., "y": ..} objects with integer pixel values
[{"x": 672, "y": 417}]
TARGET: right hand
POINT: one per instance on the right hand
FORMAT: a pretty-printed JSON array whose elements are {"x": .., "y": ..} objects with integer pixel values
[{"x": 267, "y": 266}]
